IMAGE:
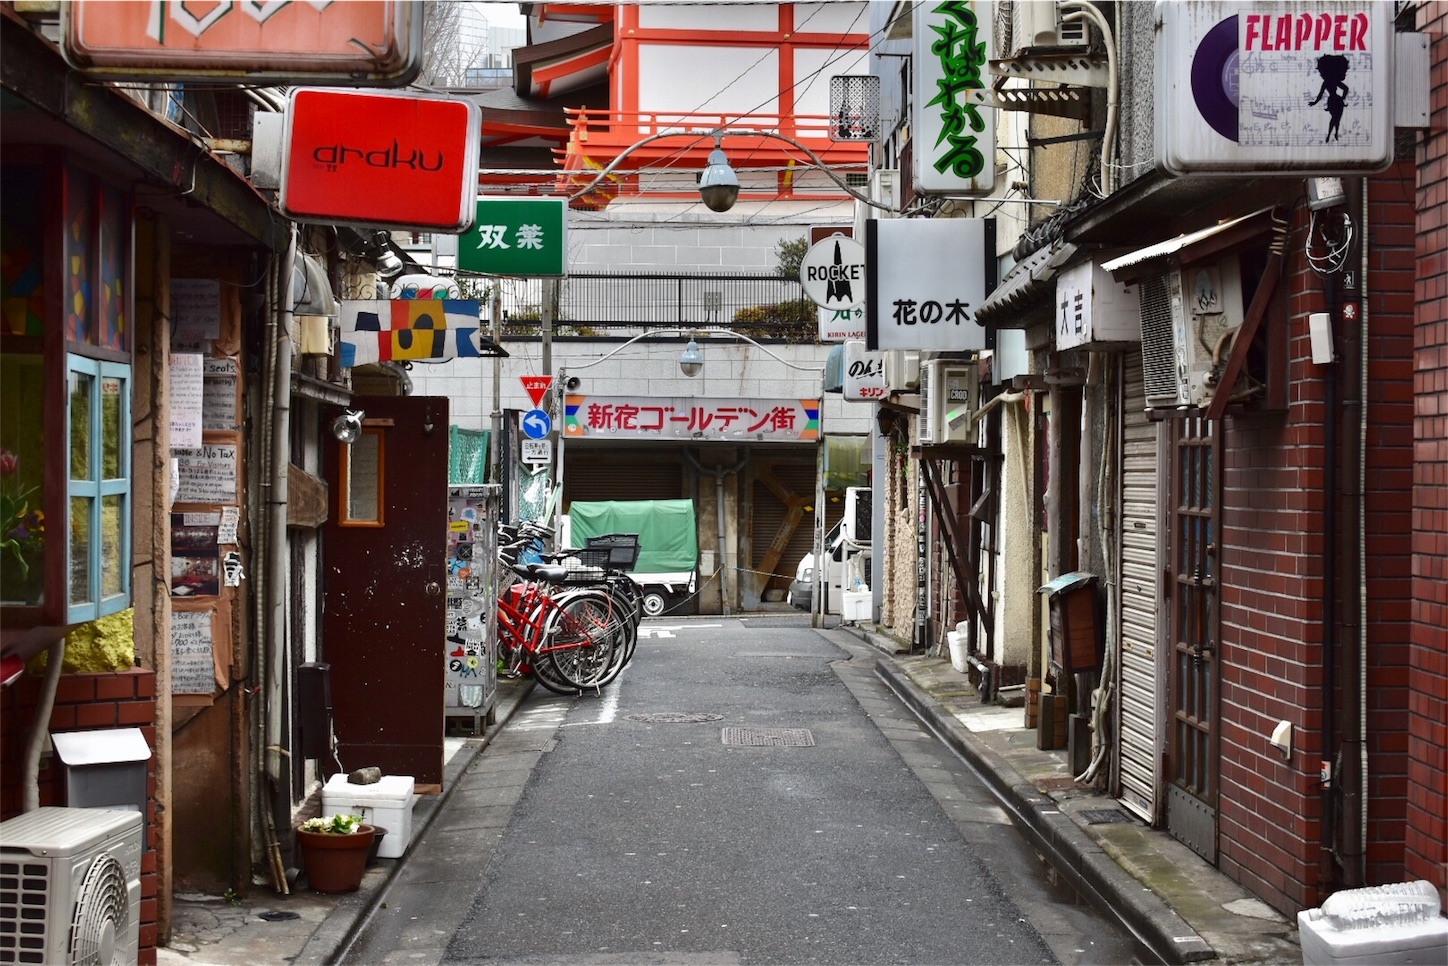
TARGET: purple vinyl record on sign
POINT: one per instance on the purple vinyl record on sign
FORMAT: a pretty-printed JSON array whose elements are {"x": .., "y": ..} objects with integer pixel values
[{"x": 1214, "y": 78}]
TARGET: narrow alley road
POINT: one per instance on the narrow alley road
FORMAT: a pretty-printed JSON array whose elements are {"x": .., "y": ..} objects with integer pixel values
[{"x": 747, "y": 792}]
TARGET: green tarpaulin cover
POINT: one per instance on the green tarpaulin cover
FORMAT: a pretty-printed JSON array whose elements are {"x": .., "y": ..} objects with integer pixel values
[{"x": 668, "y": 538}]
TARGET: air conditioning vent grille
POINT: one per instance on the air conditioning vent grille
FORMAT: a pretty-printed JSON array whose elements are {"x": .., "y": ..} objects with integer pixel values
[
  {"x": 24, "y": 892},
  {"x": 1158, "y": 348}
]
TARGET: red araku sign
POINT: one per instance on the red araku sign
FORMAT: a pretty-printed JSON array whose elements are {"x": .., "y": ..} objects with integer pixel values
[{"x": 381, "y": 160}]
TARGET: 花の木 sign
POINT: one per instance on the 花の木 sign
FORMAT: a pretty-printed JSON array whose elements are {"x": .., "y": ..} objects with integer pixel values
[{"x": 927, "y": 278}]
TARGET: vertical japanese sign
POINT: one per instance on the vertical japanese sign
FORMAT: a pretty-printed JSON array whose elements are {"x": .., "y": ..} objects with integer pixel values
[
  {"x": 954, "y": 139},
  {"x": 927, "y": 278},
  {"x": 527, "y": 237}
]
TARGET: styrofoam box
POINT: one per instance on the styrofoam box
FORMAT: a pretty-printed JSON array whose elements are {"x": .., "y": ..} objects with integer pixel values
[
  {"x": 856, "y": 605},
  {"x": 1399, "y": 943},
  {"x": 386, "y": 803}
]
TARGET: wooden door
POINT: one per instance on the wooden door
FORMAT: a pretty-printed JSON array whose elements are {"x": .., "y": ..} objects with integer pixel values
[{"x": 385, "y": 587}]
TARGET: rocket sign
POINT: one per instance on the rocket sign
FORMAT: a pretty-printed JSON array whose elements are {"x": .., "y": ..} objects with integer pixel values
[{"x": 833, "y": 272}]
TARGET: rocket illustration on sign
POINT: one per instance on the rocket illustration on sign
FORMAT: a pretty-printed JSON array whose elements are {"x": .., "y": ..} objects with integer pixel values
[{"x": 833, "y": 272}]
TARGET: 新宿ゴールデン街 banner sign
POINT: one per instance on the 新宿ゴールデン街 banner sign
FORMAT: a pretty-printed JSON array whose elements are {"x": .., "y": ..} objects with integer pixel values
[{"x": 675, "y": 417}]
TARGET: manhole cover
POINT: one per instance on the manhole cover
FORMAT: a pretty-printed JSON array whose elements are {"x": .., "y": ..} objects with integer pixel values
[
  {"x": 675, "y": 717},
  {"x": 1104, "y": 816},
  {"x": 769, "y": 737}
]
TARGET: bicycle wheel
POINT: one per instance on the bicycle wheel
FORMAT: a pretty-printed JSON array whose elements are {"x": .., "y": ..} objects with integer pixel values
[
  {"x": 545, "y": 672},
  {"x": 581, "y": 638}
]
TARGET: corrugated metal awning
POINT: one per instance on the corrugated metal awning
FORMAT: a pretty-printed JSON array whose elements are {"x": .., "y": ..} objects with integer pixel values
[
  {"x": 1029, "y": 284},
  {"x": 1182, "y": 245}
]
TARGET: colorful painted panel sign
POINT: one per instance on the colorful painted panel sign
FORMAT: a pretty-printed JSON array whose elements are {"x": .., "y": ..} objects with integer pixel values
[
  {"x": 380, "y": 160},
  {"x": 927, "y": 278},
  {"x": 416, "y": 330},
  {"x": 722, "y": 420},
  {"x": 525, "y": 237},
  {"x": 954, "y": 139},
  {"x": 361, "y": 42},
  {"x": 1272, "y": 88}
]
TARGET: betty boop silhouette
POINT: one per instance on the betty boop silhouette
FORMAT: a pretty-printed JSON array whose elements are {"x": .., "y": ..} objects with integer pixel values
[{"x": 1333, "y": 70}]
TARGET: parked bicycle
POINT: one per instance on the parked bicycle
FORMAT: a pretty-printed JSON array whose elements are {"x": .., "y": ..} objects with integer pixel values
[{"x": 570, "y": 621}]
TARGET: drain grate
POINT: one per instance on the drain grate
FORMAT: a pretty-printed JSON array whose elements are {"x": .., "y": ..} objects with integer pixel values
[
  {"x": 769, "y": 737},
  {"x": 675, "y": 717},
  {"x": 1104, "y": 816}
]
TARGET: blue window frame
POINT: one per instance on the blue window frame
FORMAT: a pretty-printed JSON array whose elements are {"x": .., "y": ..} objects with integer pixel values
[{"x": 98, "y": 431}]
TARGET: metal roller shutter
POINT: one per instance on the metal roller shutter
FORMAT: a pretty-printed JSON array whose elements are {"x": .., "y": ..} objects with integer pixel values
[{"x": 1137, "y": 749}]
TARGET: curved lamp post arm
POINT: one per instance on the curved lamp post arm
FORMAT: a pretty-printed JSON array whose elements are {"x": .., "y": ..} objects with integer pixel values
[{"x": 718, "y": 135}]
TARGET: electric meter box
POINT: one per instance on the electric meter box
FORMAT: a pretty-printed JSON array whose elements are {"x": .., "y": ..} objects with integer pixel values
[
  {"x": 386, "y": 803},
  {"x": 104, "y": 769}
]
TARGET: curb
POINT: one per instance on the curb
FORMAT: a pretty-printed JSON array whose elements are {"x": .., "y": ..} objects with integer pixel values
[
  {"x": 1069, "y": 850},
  {"x": 334, "y": 937}
]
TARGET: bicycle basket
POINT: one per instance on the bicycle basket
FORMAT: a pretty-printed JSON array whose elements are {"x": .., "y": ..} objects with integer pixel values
[{"x": 622, "y": 549}]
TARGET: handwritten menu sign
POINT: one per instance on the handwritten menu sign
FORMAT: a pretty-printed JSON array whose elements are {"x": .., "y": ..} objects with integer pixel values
[
  {"x": 218, "y": 401},
  {"x": 186, "y": 394},
  {"x": 193, "y": 669},
  {"x": 195, "y": 309},
  {"x": 207, "y": 474}
]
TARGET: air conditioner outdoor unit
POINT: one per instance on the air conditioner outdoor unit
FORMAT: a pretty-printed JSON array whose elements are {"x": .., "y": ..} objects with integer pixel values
[
  {"x": 72, "y": 886},
  {"x": 1038, "y": 26},
  {"x": 948, "y": 394},
  {"x": 1185, "y": 313},
  {"x": 902, "y": 370}
]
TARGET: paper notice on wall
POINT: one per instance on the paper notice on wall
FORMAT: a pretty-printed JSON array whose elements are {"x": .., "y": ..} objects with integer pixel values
[
  {"x": 186, "y": 400},
  {"x": 230, "y": 518},
  {"x": 195, "y": 309},
  {"x": 208, "y": 474},
  {"x": 218, "y": 405},
  {"x": 193, "y": 664}
]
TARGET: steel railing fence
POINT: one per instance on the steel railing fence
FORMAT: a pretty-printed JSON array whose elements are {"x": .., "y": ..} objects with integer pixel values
[{"x": 624, "y": 304}]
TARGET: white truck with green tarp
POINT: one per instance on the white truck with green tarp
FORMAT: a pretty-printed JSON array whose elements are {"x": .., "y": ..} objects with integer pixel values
[{"x": 668, "y": 541}]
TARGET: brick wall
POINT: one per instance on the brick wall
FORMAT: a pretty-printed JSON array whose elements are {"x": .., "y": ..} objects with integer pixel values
[
  {"x": 1273, "y": 574},
  {"x": 123, "y": 699},
  {"x": 1426, "y": 845}
]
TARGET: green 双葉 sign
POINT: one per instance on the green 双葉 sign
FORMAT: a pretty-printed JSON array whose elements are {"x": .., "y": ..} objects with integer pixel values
[{"x": 517, "y": 236}]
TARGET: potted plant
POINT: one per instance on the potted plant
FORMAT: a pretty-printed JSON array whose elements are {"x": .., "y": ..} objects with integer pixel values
[{"x": 334, "y": 851}]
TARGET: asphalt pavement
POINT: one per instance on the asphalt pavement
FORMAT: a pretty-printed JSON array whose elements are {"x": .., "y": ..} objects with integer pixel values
[{"x": 1177, "y": 906}]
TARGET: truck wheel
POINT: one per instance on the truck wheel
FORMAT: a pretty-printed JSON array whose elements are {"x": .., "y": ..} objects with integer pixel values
[{"x": 655, "y": 603}]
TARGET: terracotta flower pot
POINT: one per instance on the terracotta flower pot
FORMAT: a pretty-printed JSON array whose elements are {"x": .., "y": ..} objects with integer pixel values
[{"x": 335, "y": 863}]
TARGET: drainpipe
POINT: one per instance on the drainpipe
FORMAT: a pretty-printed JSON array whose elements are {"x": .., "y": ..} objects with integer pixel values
[
  {"x": 1327, "y": 769},
  {"x": 36, "y": 742}
]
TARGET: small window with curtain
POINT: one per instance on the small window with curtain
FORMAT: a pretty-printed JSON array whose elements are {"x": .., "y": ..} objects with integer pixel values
[{"x": 99, "y": 492}]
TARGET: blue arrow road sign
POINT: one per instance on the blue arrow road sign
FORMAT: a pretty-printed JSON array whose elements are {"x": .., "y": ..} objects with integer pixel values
[{"x": 536, "y": 424}]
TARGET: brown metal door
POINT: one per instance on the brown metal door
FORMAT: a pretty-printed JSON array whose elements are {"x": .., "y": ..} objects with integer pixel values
[
  {"x": 1192, "y": 616},
  {"x": 385, "y": 591}
]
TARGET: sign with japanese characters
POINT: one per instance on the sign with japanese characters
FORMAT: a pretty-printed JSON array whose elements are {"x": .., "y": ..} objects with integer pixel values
[
  {"x": 953, "y": 139},
  {"x": 526, "y": 237},
  {"x": 380, "y": 160},
  {"x": 841, "y": 325},
  {"x": 689, "y": 418},
  {"x": 928, "y": 278},
  {"x": 864, "y": 373}
]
